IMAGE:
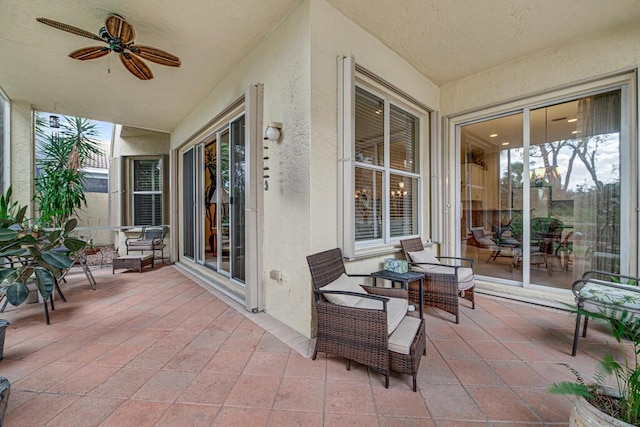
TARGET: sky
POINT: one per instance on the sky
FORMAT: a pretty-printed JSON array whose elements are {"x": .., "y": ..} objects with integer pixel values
[{"x": 104, "y": 129}]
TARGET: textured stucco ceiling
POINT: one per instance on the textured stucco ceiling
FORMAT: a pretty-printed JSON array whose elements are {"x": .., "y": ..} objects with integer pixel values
[
  {"x": 209, "y": 36},
  {"x": 449, "y": 39},
  {"x": 444, "y": 39}
]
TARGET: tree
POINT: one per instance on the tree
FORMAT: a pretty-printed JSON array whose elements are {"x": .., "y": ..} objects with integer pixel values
[{"x": 60, "y": 179}]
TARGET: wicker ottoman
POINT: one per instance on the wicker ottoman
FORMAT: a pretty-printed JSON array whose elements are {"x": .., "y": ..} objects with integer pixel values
[{"x": 131, "y": 262}]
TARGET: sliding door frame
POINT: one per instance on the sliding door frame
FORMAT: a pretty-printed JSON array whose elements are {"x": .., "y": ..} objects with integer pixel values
[{"x": 629, "y": 222}]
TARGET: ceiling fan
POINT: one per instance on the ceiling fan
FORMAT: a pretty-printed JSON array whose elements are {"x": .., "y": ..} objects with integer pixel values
[{"x": 118, "y": 34}]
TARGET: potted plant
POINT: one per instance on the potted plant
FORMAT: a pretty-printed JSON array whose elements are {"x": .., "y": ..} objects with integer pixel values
[
  {"x": 35, "y": 260},
  {"x": 596, "y": 404}
]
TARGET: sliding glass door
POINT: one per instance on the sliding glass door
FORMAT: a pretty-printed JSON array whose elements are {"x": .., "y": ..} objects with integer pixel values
[
  {"x": 542, "y": 190},
  {"x": 214, "y": 199}
]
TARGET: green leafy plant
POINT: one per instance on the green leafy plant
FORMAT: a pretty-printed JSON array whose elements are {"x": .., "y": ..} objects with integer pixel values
[
  {"x": 10, "y": 211},
  {"x": 28, "y": 259},
  {"x": 60, "y": 177},
  {"x": 623, "y": 325}
]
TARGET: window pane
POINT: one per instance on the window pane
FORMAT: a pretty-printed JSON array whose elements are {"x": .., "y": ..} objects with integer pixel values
[
  {"x": 188, "y": 220},
  {"x": 403, "y": 139},
  {"x": 147, "y": 209},
  {"x": 147, "y": 175},
  {"x": 96, "y": 185},
  {"x": 575, "y": 180},
  {"x": 403, "y": 206},
  {"x": 369, "y": 146},
  {"x": 368, "y": 203}
]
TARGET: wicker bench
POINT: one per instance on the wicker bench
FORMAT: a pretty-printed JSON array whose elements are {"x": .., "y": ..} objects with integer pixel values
[{"x": 132, "y": 262}]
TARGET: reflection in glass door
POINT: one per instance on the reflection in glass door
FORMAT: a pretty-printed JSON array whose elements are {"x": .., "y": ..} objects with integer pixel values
[
  {"x": 545, "y": 208},
  {"x": 492, "y": 177},
  {"x": 237, "y": 199}
]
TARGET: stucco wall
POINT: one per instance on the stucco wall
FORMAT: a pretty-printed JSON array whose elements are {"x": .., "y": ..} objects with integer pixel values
[
  {"x": 95, "y": 215},
  {"x": 22, "y": 155},
  {"x": 140, "y": 142},
  {"x": 602, "y": 53},
  {"x": 281, "y": 63},
  {"x": 297, "y": 65},
  {"x": 134, "y": 142}
]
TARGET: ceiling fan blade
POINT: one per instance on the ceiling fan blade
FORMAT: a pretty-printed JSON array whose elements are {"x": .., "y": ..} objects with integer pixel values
[
  {"x": 136, "y": 66},
  {"x": 118, "y": 28},
  {"x": 69, "y": 28},
  {"x": 156, "y": 55},
  {"x": 90, "y": 52}
]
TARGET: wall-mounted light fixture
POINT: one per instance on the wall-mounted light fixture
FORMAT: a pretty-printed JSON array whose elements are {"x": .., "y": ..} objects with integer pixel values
[
  {"x": 54, "y": 121},
  {"x": 272, "y": 131}
]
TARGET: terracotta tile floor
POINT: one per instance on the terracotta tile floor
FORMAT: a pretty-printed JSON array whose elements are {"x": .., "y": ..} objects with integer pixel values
[{"x": 158, "y": 349}]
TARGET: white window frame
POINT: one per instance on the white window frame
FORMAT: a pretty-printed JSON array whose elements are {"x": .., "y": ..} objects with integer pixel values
[
  {"x": 348, "y": 80},
  {"x": 155, "y": 192}
]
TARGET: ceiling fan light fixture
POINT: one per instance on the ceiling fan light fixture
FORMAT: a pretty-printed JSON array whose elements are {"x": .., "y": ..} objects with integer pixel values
[{"x": 119, "y": 36}]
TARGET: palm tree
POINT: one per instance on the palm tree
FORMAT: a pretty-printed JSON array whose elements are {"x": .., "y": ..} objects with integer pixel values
[{"x": 60, "y": 179}]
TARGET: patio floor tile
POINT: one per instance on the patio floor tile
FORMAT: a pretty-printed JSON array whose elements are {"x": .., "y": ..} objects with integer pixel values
[
  {"x": 188, "y": 415},
  {"x": 157, "y": 349},
  {"x": 349, "y": 397},
  {"x": 86, "y": 411},
  {"x": 136, "y": 413}
]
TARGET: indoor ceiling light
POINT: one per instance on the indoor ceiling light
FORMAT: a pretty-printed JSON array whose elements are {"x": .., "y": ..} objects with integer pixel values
[
  {"x": 572, "y": 120},
  {"x": 574, "y": 132},
  {"x": 505, "y": 143},
  {"x": 493, "y": 135}
]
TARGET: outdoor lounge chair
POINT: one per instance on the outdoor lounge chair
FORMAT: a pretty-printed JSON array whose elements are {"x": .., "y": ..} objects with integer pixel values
[
  {"x": 365, "y": 324},
  {"x": 150, "y": 239},
  {"x": 604, "y": 294},
  {"x": 443, "y": 283}
]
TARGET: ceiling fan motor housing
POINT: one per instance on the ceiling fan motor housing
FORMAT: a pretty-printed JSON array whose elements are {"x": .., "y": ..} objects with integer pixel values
[{"x": 115, "y": 44}]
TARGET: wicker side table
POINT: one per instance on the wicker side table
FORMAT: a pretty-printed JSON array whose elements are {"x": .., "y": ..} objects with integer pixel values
[{"x": 131, "y": 262}]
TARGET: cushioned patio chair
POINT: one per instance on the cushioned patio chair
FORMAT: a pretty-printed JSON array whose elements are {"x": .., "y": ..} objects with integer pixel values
[
  {"x": 603, "y": 294},
  {"x": 365, "y": 324},
  {"x": 443, "y": 283},
  {"x": 150, "y": 239}
]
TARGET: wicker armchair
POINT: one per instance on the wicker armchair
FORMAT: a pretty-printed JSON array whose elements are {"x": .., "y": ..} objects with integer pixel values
[
  {"x": 361, "y": 334},
  {"x": 443, "y": 283},
  {"x": 150, "y": 239}
]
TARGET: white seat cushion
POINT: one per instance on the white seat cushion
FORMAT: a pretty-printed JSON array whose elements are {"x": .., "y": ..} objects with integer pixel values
[
  {"x": 396, "y": 310},
  {"x": 466, "y": 279},
  {"x": 343, "y": 283},
  {"x": 608, "y": 300},
  {"x": 423, "y": 256},
  {"x": 401, "y": 339}
]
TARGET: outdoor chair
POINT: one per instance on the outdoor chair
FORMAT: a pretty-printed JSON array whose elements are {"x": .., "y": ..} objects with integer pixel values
[
  {"x": 78, "y": 259},
  {"x": 604, "y": 294},
  {"x": 150, "y": 239},
  {"x": 366, "y": 324},
  {"x": 443, "y": 283},
  {"x": 480, "y": 238}
]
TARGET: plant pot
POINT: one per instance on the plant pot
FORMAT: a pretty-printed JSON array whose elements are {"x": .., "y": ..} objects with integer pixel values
[
  {"x": 3, "y": 327},
  {"x": 5, "y": 389},
  {"x": 585, "y": 414}
]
